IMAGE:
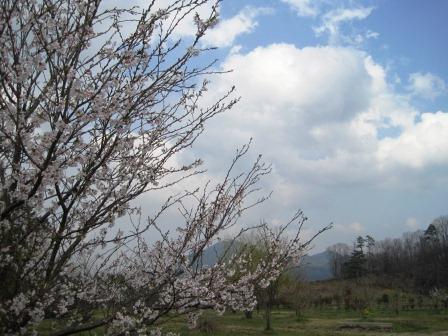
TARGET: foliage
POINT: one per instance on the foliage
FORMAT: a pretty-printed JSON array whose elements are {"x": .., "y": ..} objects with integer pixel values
[{"x": 355, "y": 266}]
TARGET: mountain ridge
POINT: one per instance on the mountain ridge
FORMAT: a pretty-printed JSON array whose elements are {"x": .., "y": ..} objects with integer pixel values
[{"x": 314, "y": 267}]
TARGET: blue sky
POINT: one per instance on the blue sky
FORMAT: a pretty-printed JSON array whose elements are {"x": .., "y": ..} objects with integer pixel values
[{"x": 348, "y": 100}]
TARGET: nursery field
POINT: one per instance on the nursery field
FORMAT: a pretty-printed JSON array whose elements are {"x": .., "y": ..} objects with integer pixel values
[{"x": 319, "y": 323}]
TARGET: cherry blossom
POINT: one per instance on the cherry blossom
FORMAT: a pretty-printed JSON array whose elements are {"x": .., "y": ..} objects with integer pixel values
[{"x": 90, "y": 117}]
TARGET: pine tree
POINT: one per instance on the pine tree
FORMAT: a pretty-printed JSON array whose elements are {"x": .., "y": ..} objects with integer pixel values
[{"x": 355, "y": 267}]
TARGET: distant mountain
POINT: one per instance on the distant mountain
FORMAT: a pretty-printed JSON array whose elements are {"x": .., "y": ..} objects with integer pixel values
[
  {"x": 316, "y": 267},
  {"x": 312, "y": 268},
  {"x": 211, "y": 254}
]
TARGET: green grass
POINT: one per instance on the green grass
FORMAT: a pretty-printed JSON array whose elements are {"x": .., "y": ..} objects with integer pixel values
[
  {"x": 316, "y": 323},
  {"x": 319, "y": 322}
]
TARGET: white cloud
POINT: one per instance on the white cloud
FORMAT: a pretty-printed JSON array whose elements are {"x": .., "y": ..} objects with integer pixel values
[
  {"x": 334, "y": 16},
  {"x": 227, "y": 30},
  {"x": 352, "y": 228},
  {"x": 428, "y": 85},
  {"x": 334, "y": 19},
  {"x": 310, "y": 83},
  {"x": 304, "y": 7},
  {"x": 317, "y": 113},
  {"x": 423, "y": 144},
  {"x": 321, "y": 116},
  {"x": 223, "y": 35},
  {"x": 371, "y": 34},
  {"x": 235, "y": 49}
]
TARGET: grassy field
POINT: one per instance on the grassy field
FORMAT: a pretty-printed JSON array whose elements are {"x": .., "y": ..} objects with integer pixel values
[
  {"x": 316, "y": 323},
  {"x": 322, "y": 322}
]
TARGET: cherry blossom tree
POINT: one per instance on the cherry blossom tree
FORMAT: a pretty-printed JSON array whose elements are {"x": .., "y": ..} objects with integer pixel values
[{"x": 91, "y": 117}]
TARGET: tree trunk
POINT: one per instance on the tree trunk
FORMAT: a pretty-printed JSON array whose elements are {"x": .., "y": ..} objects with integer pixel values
[{"x": 268, "y": 316}]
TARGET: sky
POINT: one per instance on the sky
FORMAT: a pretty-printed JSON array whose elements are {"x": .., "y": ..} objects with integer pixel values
[{"x": 347, "y": 100}]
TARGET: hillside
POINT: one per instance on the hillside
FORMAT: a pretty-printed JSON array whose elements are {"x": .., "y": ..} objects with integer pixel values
[
  {"x": 312, "y": 268},
  {"x": 316, "y": 267}
]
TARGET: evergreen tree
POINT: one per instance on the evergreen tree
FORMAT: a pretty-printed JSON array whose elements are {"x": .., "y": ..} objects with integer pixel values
[{"x": 355, "y": 267}]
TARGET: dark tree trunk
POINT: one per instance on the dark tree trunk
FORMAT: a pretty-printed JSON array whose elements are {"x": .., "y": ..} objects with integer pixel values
[{"x": 268, "y": 317}]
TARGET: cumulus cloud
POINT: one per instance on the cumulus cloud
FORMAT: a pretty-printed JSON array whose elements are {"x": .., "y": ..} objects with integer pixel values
[
  {"x": 321, "y": 116},
  {"x": 426, "y": 85},
  {"x": 310, "y": 83},
  {"x": 317, "y": 113},
  {"x": 423, "y": 144},
  {"x": 227, "y": 30}
]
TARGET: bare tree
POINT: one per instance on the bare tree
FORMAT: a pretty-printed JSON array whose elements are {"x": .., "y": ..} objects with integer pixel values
[
  {"x": 339, "y": 254},
  {"x": 90, "y": 117}
]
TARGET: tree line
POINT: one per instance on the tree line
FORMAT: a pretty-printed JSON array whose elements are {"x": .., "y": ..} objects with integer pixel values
[{"x": 418, "y": 259}]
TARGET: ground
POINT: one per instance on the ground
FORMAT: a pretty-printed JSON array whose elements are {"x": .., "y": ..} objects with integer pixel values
[{"x": 317, "y": 323}]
